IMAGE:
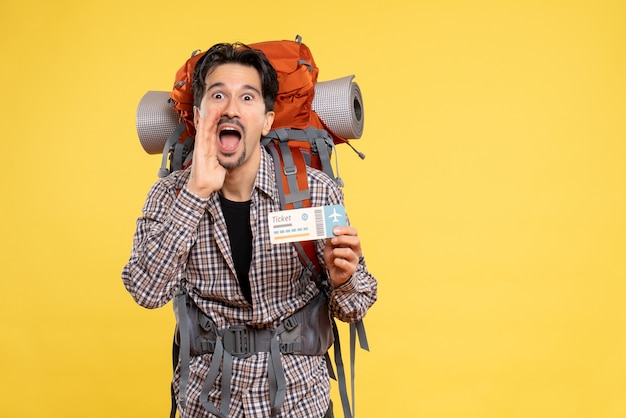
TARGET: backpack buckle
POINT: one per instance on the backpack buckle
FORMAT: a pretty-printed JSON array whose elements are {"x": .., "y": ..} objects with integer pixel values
[
  {"x": 291, "y": 322},
  {"x": 238, "y": 341},
  {"x": 290, "y": 171},
  {"x": 286, "y": 348}
]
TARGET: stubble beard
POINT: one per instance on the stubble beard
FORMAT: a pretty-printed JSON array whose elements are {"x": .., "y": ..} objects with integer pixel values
[{"x": 239, "y": 162}]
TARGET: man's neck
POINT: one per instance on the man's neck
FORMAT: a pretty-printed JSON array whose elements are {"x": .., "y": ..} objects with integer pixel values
[{"x": 239, "y": 181}]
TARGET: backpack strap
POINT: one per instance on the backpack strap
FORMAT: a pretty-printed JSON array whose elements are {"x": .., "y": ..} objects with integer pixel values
[
  {"x": 323, "y": 144},
  {"x": 180, "y": 310},
  {"x": 308, "y": 257},
  {"x": 298, "y": 196},
  {"x": 172, "y": 140},
  {"x": 181, "y": 153},
  {"x": 356, "y": 329},
  {"x": 297, "y": 187},
  {"x": 293, "y": 190},
  {"x": 219, "y": 356},
  {"x": 178, "y": 153},
  {"x": 292, "y": 193},
  {"x": 321, "y": 141},
  {"x": 290, "y": 165},
  {"x": 175, "y": 354},
  {"x": 226, "y": 344}
]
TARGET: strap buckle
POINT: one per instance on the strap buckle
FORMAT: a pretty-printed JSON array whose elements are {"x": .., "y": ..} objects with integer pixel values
[
  {"x": 292, "y": 322},
  {"x": 238, "y": 341}
]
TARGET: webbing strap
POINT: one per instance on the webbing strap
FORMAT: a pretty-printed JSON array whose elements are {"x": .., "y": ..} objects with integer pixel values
[
  {"x": 278, "y": 382},
  {"x": 360, "y": 330},
  {"x": 222, "y": 356},
  {"x": 329, "y": 366},
  {"x": 276, "y": 375},
  {"x": 181, "y": 351},
  {"x": 180, "y": 308},
  {"x": 227, "y": 373},
  {"x": 295, "y": 192},
  {"x": 341, "y": 374},
  {"x": 322, "y": 149},
  {"x": 286, "y": 134},
  {"x": 305, "y": 249},
  {"x": 214, "y": 368},
  {"x": 356, "y": 329},
  {"x": 289, "y": 192},
  {"x": 292, "y": 163},
  {"x": 271, "y": 147},
  {"x": 189, "y": 157},
  {"x": 180, "y": 152},
  {"x": 296, "y": 198},
  {"x": 173, "y": 139},
  {"x": 175, "y": 354},
  {"x": 308, "y": 257},
  {"x": 227, "y": 345}
]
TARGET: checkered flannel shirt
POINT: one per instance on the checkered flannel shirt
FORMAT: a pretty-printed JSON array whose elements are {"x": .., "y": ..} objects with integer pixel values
[{"x": 178, "y": 230}]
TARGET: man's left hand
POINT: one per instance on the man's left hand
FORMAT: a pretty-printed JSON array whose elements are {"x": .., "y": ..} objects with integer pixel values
[{"x": 342, "y": 253}]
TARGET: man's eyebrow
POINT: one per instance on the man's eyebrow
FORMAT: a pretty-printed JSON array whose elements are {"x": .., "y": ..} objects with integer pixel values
[{"x": 245, "y": 87}]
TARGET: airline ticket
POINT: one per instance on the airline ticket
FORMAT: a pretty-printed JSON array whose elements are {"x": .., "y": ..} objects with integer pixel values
[{"x": 306, "y": 223}]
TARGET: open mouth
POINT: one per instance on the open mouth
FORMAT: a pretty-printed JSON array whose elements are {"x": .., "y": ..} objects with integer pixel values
[{"x": 229, "y": 137}]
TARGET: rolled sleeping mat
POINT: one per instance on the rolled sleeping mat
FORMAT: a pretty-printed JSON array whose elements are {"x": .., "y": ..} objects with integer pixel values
[
  {"x": 337, "y": 102},
  {"x": 340, "y": 105}
]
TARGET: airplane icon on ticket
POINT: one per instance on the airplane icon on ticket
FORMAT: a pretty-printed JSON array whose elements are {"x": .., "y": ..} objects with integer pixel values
[{"x": 335, "y": 216}]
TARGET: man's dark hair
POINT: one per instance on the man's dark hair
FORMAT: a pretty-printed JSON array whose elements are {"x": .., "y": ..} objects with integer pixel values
[{"x": 236, "y": 53}]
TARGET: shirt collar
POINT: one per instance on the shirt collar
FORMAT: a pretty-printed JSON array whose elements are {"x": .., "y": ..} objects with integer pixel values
[{"x": 266, "y": 177}]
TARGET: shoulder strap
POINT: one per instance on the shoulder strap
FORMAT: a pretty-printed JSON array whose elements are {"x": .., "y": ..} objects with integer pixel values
[
  {"x": 293, "y": 192},
  {"x": 290, "y": 165},
  {"x": 292, "y": 184}
]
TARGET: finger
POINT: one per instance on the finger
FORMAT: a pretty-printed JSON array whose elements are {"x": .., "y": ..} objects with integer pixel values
[
  {"x": 345, "y": 230},
  {"x": 346, "y": 254},
  {"x": 349, "y": 243},
  {"x": 206, "y": 137},
  {"x": 212, "y": 120},
  {"x": 346, "y": 267},
  {"x": 341, "y": 232},
  {"x": 352, "y": 241}
]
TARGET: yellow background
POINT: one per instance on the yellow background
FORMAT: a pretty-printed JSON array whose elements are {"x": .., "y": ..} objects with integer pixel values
[{"x": 491, "y": 204}]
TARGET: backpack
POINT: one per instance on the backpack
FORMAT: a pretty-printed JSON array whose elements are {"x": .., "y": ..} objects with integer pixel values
[{"x": 299, "y": 137}]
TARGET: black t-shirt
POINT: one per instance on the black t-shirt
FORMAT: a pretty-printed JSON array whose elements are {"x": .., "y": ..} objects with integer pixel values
[{"x": 237, "y": 215}]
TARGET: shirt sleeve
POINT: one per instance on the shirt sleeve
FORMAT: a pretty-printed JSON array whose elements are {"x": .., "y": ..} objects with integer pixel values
[
  {"x": 164, "y": 234},
  {"x": 350, "y": 301}
]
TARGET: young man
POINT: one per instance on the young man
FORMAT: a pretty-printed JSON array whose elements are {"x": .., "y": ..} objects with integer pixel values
[{"x": 210, "y": 222}]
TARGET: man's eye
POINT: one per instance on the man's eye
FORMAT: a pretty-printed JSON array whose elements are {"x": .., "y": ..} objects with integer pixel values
[
  {"x": 218, "y": 96},
  {"x": 248, "y": 97}
]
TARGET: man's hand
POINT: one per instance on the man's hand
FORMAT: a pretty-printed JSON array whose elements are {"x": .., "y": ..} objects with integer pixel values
[
  {"x": 342, "y": 254},
  {"x": 207, "y": 175}
]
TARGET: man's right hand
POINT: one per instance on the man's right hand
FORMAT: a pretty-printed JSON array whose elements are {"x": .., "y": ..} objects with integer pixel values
[{"x": 207, "y": 174}]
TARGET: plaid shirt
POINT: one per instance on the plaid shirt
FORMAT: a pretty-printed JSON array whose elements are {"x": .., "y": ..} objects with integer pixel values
[{"x": 179, "y": 230}]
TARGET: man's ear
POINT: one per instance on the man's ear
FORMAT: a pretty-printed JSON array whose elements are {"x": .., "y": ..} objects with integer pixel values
[
  {"x": 269, "y": 119},
  {"x": 196, "y": 115}
]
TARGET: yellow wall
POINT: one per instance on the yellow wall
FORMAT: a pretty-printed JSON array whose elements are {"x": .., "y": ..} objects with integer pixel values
[{"x": 491, "y": 203}]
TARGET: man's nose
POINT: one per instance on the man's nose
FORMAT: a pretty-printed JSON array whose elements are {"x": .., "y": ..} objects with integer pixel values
[{"x": 231, "y": 109}]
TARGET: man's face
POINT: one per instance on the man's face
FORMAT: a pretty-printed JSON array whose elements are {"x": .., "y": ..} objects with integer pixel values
[{"x": 234, "y": 90}]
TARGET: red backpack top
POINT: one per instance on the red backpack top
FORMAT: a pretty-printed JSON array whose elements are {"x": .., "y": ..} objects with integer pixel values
[
  {"x": 298, "y": 137},
  {"x": 297, "y": 76}
]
